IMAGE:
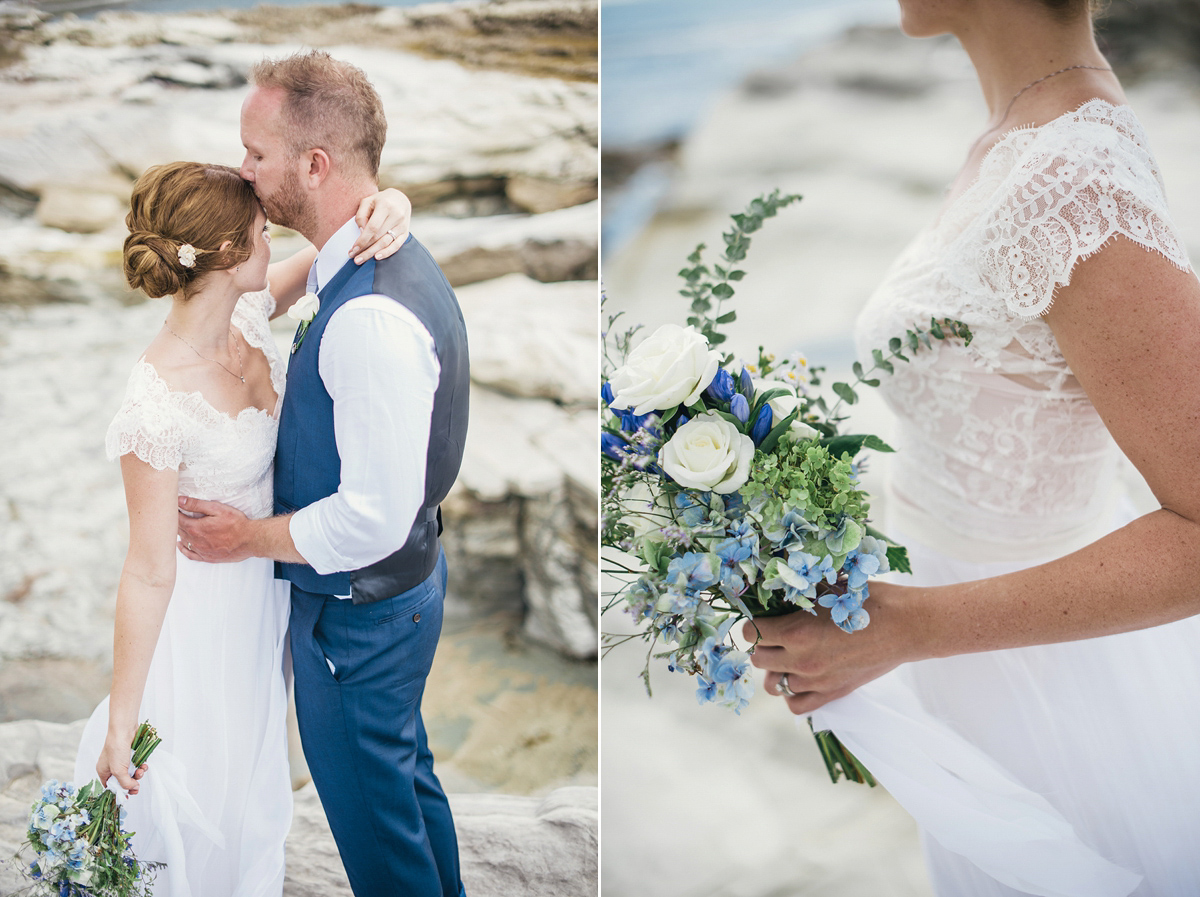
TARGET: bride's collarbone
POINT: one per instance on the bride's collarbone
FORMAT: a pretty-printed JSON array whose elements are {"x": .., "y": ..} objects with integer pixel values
[{"x": 216, "y": 380}]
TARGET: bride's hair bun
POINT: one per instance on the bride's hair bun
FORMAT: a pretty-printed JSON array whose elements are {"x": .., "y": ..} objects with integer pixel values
[{"x": 180, "y": 205}]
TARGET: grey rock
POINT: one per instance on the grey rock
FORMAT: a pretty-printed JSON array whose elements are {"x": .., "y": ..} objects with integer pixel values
[
  {"x": 79, "y": 210},
  {"x": 534, "y": 340}
]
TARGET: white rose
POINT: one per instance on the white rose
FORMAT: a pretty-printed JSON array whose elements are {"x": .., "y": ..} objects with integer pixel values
[
  {"x": 800, "y": 430},
  {"x": 670, "y": 367},
  {"x": 304, "y": 308},
  {"x": 644, "y": 511},
  {"x": 708, "y": 453}
]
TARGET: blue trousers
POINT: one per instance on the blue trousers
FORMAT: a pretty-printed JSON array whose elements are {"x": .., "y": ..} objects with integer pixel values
[{"x": 364, "y": 740}]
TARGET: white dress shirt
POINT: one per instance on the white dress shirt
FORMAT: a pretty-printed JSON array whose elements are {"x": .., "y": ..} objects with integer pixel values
[{"x": 378, "y": 363}]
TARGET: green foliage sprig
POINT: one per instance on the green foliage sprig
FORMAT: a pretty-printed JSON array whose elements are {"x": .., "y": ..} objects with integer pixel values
[{"x": 710, "y": 288}]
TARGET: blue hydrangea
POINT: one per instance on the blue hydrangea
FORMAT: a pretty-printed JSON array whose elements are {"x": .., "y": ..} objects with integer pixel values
[
  {"x": 690, "y": 511},
  {"x": 791, "y": 529},
  {"x": 640, "y": 599},
  {"x": 800, "y": 574},
  {"x": 724, "y": 676},
  {"x": 692, "y": 571},
  {"x": 865, "y": 561},
  {"x": 847, "y": 610}
]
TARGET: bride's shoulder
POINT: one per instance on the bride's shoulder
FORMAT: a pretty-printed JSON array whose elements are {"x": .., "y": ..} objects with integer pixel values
[{"x": 167, "y": 366}]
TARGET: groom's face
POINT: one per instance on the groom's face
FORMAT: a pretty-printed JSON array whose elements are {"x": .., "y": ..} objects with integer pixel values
[{"x": 269, "y": 165}]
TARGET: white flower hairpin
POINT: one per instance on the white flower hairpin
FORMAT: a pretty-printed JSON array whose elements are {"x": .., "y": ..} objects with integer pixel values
[{"x": 187, "y": 255}]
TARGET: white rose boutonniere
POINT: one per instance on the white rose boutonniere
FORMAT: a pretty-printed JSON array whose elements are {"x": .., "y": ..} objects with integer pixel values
[
  {"x": 708, "y": 453},
  {"x": 303, "y": 310}
]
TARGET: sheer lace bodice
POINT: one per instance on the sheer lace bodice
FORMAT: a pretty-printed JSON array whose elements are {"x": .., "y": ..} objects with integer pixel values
[
  {"x": 1001, "y": 454},
  {"x": 219, "y": 457}
]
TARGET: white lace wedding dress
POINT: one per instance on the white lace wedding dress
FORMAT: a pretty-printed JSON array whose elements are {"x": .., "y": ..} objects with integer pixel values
[
  {"x": 1069, "y": 769},
  {"x": 216, "y": 802}
]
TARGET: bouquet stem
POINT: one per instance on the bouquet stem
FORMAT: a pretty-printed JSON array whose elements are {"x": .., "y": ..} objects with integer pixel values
[{"x": 839, "y": 761}]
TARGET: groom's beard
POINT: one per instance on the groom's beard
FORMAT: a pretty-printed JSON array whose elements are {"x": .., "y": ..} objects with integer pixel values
[{"x": 289, "y": 207}]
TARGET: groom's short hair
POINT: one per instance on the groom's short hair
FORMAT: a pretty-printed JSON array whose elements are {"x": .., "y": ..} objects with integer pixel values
[{"x": 328, "y": 104}]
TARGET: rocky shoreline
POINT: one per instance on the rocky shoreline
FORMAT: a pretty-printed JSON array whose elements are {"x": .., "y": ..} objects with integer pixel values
[{"x": 493, "y": 134}]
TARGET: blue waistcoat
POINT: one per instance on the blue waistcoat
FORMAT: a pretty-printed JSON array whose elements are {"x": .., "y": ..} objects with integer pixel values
[{"x": 307, "y": 464}]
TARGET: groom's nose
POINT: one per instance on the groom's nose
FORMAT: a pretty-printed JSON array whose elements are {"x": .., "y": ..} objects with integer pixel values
[{"x": 247, "y": 172}]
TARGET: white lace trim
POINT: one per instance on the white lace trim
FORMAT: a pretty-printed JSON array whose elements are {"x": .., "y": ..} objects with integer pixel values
[
  {"x": 997, "y": 439},
  {"x": 1062, "y": 191},
  {"x": 219, "y": 456}
]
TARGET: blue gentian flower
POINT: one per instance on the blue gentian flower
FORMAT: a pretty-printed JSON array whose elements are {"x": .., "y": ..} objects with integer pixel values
[
  {"x": 722, "y": 386},
  {"x": 746, "y": 384},
  {"x": 762, "y": 425},
  {"x": 740, "y": 408},
  {"x": 613, "y": 445},
  {"x": 631, "y": 423},
  {"x": 606, "y": 392}
]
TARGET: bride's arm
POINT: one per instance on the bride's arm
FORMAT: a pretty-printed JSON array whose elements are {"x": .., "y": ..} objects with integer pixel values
[
  {"x": 143, "y": 593},
  {"x": 384, "y": 218},
  {"x": 1129, "y": 327}
]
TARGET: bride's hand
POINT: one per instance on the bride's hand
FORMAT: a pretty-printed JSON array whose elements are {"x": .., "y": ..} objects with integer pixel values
[
  {"x": 384, "y": 218},
  {"x": 821, "y": 661},
  {"x": 114, "y": 761}
]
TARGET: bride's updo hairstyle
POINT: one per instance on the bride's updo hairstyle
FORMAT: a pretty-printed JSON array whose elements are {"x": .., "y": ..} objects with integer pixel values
[{"x": 181, "y": 205}]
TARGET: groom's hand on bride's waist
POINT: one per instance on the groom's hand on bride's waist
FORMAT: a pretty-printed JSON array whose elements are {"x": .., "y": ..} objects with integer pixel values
[{"x": 213, "y": 532}]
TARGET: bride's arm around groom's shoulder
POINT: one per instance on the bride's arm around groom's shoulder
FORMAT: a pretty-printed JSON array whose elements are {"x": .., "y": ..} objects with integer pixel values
[
  {"x": 1128, "y": 325},
  {"x": 384, "y": 218}
]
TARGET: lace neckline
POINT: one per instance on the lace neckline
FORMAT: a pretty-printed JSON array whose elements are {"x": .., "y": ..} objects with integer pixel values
[
  {"x": 239, "y": 320},
  {"x": 1001, "y": 142}
]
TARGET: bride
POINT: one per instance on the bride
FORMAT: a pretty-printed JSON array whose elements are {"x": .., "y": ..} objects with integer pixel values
[
  {"x": 1042, "y": 744},
  {"x": 199, "y": 649}
]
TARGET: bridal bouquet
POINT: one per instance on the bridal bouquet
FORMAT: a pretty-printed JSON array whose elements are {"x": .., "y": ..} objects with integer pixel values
[
  {"x": 730, "y": 489},
  {"x": 81, "y": 848}
]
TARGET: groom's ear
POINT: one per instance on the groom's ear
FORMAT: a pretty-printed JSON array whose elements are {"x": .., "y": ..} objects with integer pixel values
[{"x": 319, "y": 167}]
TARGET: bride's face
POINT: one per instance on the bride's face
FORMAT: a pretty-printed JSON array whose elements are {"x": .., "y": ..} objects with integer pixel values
[{"x": 252, "y": 273}]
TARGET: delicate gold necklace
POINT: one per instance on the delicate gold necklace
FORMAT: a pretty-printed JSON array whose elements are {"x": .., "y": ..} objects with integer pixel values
[
  {"x": 1008, "y": 109},
  {"x": 241, "y": 367},
  {"x": 1016, "y": 96}
]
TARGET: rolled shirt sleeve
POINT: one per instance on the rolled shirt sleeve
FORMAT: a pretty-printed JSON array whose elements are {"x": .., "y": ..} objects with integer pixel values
[{"x": 379, "y": 364}]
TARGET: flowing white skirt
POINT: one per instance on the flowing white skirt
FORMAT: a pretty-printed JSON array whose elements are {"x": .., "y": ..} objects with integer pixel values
[
  {"x": 1070, "y": 770},
  {"x": 216, "y": 802}
]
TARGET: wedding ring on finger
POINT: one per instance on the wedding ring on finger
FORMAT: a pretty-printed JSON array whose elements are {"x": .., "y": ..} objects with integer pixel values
[
  {"x": 189, "y": 546},
  {"x": 390, "y": 234},
  {"x": 782, "y": 687}
]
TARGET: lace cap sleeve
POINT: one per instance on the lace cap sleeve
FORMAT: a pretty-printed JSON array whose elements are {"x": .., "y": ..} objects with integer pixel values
[
  {"x": 1080, "y": 182},
  {"x": 148, "y": 424},
  {"x": 261, "y": 302}
]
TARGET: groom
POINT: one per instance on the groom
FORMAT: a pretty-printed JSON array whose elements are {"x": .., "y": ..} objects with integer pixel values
[{"x": 370, "y": 440}]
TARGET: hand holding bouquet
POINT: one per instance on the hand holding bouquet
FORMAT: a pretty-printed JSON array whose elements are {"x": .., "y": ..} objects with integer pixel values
[
  {"x": 81, "y": 848},
  {"x": 731, "y": 487}
]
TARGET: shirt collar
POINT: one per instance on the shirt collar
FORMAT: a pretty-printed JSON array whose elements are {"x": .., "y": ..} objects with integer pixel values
[{"x": 335, "y": 253}]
